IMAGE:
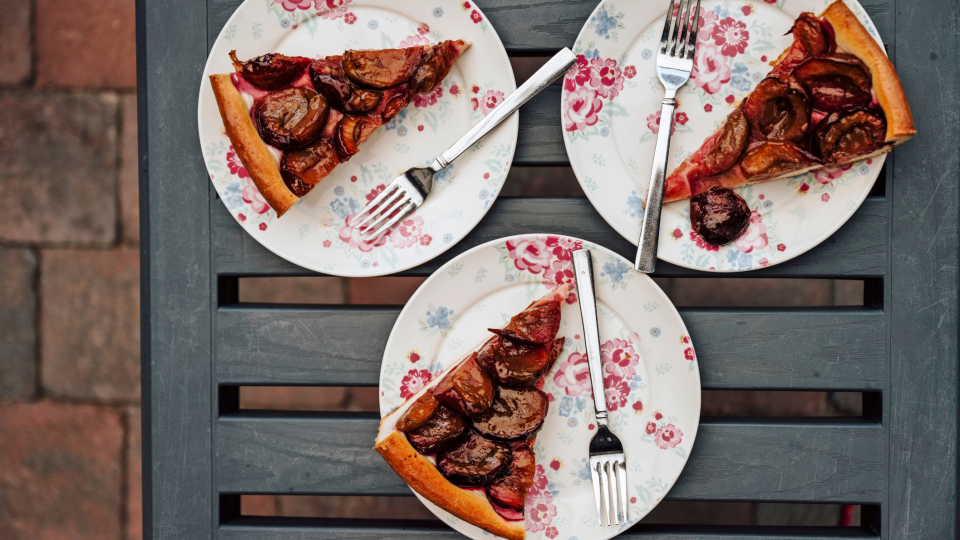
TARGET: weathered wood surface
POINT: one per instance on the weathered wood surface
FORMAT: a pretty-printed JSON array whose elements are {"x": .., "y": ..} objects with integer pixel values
[
  {"x": 541, "y": 27},
  {"x": 859, "y": 249},
  {"x": 786, "y": 461},
  {"x": 176, "y": 275},
  {"x": 253, "y": 528},
  {"x": 825, "y": 349}
]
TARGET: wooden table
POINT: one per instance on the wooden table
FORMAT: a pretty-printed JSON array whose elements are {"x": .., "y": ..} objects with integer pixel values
[{"x": 899, "y": 460}]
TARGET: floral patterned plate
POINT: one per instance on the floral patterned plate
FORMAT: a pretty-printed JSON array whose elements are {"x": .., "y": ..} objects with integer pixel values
[
  {"x": 611, "y": 117},
  {"x": 650, "y": 372},
  {"x": 313, "y": 233}
]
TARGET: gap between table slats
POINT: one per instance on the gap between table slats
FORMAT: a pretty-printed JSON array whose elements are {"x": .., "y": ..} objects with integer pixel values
[
  {"x": 858, "y": 250},
  {"x": 835, "y": 461},
  {"x": 810, "y": 349},
  {"x": 260, "y": 528}
]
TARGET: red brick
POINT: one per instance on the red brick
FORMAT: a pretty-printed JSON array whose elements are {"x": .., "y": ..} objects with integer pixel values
[
  {"x": 129, "y": 178},
  {"x": 751, "y": 292},
  {"x": 293, "y": 398},
  {"x": 293, "y": 290},
  {"x": 702, "y": 513},
  {"x": 361, "y": 507},
  {"x": 541, "y": 182},
  {"x": 58, "y": 167},
  {"x": 382, "y": 290},
  {"x": 90, "y": 324},
  {"x": 60, "y": 471},
  {"x": 18, "y": 332},
  {"x": 365, "y": 399},
  {"x": 134, "y": 485},
  {"x": 15, "y": 51},
  {"x": 86, "y": 44},
  {"x": 258, "y": 505},
  {"x": 767, "y": 403}
]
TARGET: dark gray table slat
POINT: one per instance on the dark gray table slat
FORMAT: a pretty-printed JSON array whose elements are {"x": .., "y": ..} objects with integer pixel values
[
  {"x": 858, "y": 249},
  {"x": 343, "y": 346},
  {"x": 541, "y": 27},
  {"x": 732, "y": 461},
  {"x": 255, "y": 528}
]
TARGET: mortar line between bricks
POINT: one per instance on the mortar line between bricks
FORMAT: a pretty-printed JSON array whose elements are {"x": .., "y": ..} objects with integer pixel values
[
  {"x": 124, "y": 474},
  {"x": 37, "y": 327}
]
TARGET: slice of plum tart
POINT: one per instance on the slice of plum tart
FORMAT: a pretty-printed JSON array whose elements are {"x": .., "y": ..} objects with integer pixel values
[
  {"x": 465, "y": 440},
  {"x": 293, "y": 119},
  {"x": 832, "y": 98}
]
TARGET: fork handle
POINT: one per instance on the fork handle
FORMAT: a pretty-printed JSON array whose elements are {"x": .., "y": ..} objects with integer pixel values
[
  {"x": 650, "y": 231},
  {"x": 540, "y": 80},
  {"x": 583, "y": 266}
]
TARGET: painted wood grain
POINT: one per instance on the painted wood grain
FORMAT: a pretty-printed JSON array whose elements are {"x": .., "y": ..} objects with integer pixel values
[
  {"x": 330, "y": 453},
  {"x": 820, "y": 349},
  {"x": 858, "y": 249}
]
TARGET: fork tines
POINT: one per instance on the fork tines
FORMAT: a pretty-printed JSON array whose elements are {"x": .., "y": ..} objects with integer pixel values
[
  {"x": 609, "y": 473},
  {"x": 680, "y": 31},
  {"x": 393, "y": 203}
]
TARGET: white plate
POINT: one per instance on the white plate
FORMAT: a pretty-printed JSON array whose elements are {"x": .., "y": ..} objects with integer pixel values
[
  {"x": 653, "y": 390},
  {"x": 313, "y": 233},
  {"x": 611, "y": 151}
]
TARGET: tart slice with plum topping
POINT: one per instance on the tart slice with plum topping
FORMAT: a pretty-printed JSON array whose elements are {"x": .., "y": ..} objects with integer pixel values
[
  {"x": 293, "y": 119},
  {"x": 832, "y": 98},
  {"x": 465, "y": 440}
]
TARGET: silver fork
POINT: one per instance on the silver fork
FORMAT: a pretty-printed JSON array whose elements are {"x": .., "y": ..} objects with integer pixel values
[
  {"x": 410, "y": 189},
  {"x": 606, "y": 450},
  {"x": 674, "y": 64}
]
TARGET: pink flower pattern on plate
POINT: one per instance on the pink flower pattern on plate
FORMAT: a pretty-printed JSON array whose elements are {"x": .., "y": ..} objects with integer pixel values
[
  {"x": 653, "y": 124},
  {"x": 824, "y": 176},
  {"x": 755, "y": 237},
  {"x": 407, "y": 232},
  {"x": 333, "y": 9},
  {"x": 351, "y": 236},
  {"x": 251, "y": 195},
  {"x": 731, "y": 36},
  {"x": 573, "y": 375},
  {"x": 619, "y": 358},
  {"x": 581, "y": 109},
  {"x": 293, "y": 5},
  {"x": 710, "y": 69},
  {"x": 606, "y": 77},
  {"x": 668, "y": 436},
  {"x": 490, "y": 100},
  {"x": 578, "y": 74},
  {"x": 529, "y": 253},
  {"x": 426, "y": 100},
  {"x": 235, "y": 165},
  {"x": 563, "y": 247},
  {"x": 415, "y": 41},
  {"x": 413, "y": 381},
  {"x": 539, "y": 510},
  {"x": 615, "y": 391}
]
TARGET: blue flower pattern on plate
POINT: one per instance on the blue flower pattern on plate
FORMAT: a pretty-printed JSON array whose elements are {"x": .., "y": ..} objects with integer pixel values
[
  {"x": 634, "y": 205},
  {"x": 345, "y": 207},
  {"x": 615, "y": 270},
  {"x": 655, "y": 332},
  {"x": 233, "y": 199},
  {"x": 739, "y": 260},
  {"x": 438, "y": 12},
  {"x": 439, "y": 318},
  {"x": 741, "y": 79},
  {"x": 569, "y": 405},
  {"x": 605, "y": 23},
  {"x": 590, "y": 54},
  {"x": 373, "y": 24},
  {"x": 646, "y": 54}
]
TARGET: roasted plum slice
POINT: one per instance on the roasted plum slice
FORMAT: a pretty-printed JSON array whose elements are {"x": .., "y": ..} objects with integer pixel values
[
  {"x": 434, "y": 66},
  {"x": 418, "y": 413},
  {"x": 302, "y": 169},
  {"x": 778, "y": 109},
  {"x": 466, "y": 389},
  {"x": 770, "y": 160},
  {"x": 719, "y": 215},
  {"x": 728, "y": 146},
  {"x": 516, "y": 414},
  {"x": 537, "y": 324},
  {"x": 397, "y": 98},
  {"x": 475, "y": 461},
  {"x": 843, "y": 136},
  {"x": 517, "y": 363},
  {"x": 352, "y": 131},
  {"x": 510, "y": 490},
  {"x": 381, "y": 68},
  {"x": 271, "y": 71},
  {"x": 291, "y": 118},
  {"x": 836, "y": 82},
  {"x": 809, "y": 31},
  {"x": 439, "y": 431},
  {"x": 327, "y": 76}
]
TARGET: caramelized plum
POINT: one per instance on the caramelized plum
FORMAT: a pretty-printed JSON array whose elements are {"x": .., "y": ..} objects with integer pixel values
[
  {"x": 466, "y": 389},
  {"x": 308, "y": 166},
  {"x": 271, "y": 71},
  {"x": 434, "y": 66},
  {"x": 439, "y": 431},
  {"x": 516, "y": 414},
  {"x": 291, "y": 118},
  {"x": 728, "y": 146},
  {"x": 329, "y": 79},
  {"x": 554, "y": 349},
  {"x": 475, "y": 461},
  {"x": 778, "y": 109},
  {"x": 534, "y": 325},
  {"x": 809, "y": 31},
  {"x": 513, "y": 363},
  {"x": 352, "y": 131},
  {"x": 381, "y": 68},
  {"x": 772, "y": 159},
  {"x": 836, "y": 82},
  {"x": 510, "y": 490},
  {"x": 396, "y": 101},
  {"x": 719, "y": 215},
  {"x": 418, "y": 413},
  {"x": 843, "y": 136},
  {"x": 362, "y": 101}
]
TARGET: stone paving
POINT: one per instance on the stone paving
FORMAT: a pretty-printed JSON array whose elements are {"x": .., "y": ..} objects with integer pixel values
[{"x": 69, "y": 295}]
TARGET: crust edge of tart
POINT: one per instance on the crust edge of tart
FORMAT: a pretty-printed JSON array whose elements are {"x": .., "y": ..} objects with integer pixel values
[
  {"x": 248, "y": 145},
  {"x": 854, "y": 38}
]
